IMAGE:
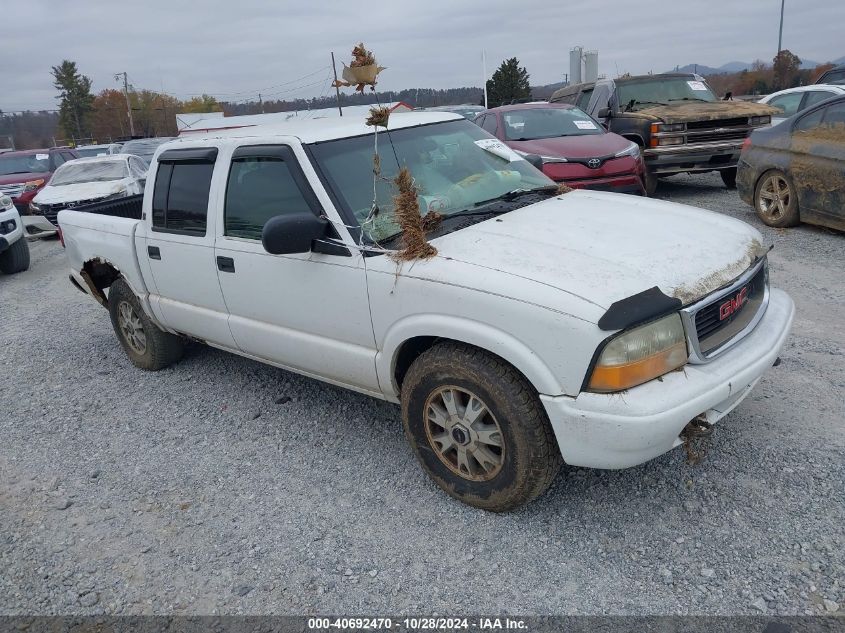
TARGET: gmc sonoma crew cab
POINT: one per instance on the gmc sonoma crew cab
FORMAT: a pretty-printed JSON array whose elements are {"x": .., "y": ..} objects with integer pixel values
[
  {"x": 587, "y": 327},
  {"x": 675, "y": 118}
]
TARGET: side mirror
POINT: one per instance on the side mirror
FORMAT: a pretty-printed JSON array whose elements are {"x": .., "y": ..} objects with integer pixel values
[
  {"x": 294, "y": 233},
  {"x": 535, "y": 160},
  {"x": 604, "y": 113}
]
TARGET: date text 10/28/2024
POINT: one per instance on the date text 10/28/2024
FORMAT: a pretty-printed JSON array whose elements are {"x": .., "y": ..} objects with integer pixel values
[{"x": 416, "y": 624}]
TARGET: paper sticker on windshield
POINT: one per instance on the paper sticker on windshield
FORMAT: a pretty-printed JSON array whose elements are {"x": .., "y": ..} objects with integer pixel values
[
  {"x": 495, "y": 146},
  {"x": 585, "y": 125},
  {"x": 42, "y": 156},
  {"x": 697, "y": 85}
]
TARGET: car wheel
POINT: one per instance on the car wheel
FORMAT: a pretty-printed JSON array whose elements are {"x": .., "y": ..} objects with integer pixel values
[
  {"x": 649, "y": 183},
  {"x": 729, "y": 177},
  {"x": 16, "y": 258},
  {"x": 145, "y": 344},
  {"x": 775, "y": 200},
  {"x": 478, "y": 428}
]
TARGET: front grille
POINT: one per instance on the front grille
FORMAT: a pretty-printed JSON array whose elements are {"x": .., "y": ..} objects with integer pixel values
[
  {"x": 724, "y": 318},
  {"x": 51, "y": 211},
  {"x": 715, "y": 137},
  {"x": 707, "y": 125},
  {"x": 13, "y": 191}
]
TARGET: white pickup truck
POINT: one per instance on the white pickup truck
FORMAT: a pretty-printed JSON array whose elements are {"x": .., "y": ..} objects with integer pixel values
[{"x": 587, "y": 328}]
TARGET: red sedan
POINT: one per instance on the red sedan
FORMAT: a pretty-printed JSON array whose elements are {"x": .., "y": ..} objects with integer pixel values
[{"x": 575, "y": 149}]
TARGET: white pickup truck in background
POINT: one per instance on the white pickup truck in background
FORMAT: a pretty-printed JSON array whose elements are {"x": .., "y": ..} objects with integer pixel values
[{"x": 588, "y": 328}]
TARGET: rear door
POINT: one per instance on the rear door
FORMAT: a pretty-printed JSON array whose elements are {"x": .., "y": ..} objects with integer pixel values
[
  {"x": 180, "y": 247},
  {"x": 307, "y": 311},
  {"x": 818, "y": 165}
]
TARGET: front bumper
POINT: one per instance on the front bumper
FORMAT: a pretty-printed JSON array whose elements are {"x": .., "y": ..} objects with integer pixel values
[
  {"x": 625, "y": 429},
  {"x": 690, "y": 158}
]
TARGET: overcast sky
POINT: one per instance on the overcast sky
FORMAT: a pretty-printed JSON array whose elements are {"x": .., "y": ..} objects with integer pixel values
[{"x": 234, "y": 49}]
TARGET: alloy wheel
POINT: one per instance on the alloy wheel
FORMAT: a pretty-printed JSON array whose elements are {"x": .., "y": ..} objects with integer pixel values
[{"x": 131, "y": 327}]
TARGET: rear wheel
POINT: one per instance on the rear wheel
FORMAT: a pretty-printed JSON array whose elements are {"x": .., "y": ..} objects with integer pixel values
[
  {"x": 16, "y": 258},
  {"x": 729, "y": 177},
  {"x": 145, "y": 344},
  {"x": 775, "y": 200},
  {"x": 478, "y": 428}
]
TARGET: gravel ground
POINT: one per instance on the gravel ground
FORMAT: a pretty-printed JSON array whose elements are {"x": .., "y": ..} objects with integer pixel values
[{"x": 225, "y": 486}]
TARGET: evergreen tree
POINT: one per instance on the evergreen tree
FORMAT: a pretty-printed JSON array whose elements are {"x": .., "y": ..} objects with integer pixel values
[
  {"x": 509, "y": 84},
  {"x": 76, "y": 99}
]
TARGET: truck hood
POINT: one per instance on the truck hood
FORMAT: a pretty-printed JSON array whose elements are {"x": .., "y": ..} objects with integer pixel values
[
  {"x": 604, "y": 247},
  {"x": 12, "y": 179},
  {"x": 52, "y": 194},
  {"x": 684, "y": 111}
]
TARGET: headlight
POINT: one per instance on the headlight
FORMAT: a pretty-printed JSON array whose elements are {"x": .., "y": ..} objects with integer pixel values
[
  {"x": 671, "y": 127},
  {"x": 639, "y": 355},
  {"x": 32, "y": 185},
  {"x": 5, "y": 202},
  {"x": 632, "y": 150},
  {"x": 34, "y": 207},
  {"x": 761, "y": 120},
  {"x": 670, "y": 140}
]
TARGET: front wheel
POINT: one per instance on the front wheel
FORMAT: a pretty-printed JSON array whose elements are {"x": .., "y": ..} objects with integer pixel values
[
  {"x": 145, "y": 344},
  {"x": 729, "y": 177},
  {"x": 16, "y": 258},
  {"x": 478, "y": 428},
  {"x": 775, "y": 200},
  {"x": 649, "y": 183}
]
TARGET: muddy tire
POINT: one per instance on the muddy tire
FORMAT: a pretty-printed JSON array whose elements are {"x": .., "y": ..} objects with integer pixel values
[
  {"x": 728, "y": 177},
  {"x": 478, "y": 428},
  {"x": 16, "y": 258},
  {"x": 649, "y": 183},
  {"x": 775, "y": 200},
  {"x": 145, "y": 344}
]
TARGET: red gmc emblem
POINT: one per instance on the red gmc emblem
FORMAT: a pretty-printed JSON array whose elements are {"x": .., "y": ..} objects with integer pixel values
[{"x": 733, "y": 305}]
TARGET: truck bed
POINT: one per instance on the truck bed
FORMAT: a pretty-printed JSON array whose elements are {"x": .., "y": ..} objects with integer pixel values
[{"x": 129, "y": 207}]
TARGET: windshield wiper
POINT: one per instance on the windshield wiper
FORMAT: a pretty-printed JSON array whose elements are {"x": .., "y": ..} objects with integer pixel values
[
  {"x": 690, "y": 99},
  {"x": 630, "y": 105},
  {"x": 510, "y": 195}
]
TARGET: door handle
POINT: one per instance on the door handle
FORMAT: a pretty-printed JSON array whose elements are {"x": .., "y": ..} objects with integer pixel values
[
  {"x": 153, "y": 252},
  {"x": 226, "y": 264}
]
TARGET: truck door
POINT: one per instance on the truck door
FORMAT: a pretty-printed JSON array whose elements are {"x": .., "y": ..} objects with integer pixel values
[
  {"x": 180, "y": 247},
  {"x": 309, "y": 311}
]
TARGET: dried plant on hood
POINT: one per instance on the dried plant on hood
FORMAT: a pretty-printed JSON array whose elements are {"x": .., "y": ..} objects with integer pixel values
[
  {"x": 378, "y": 116},
  {"x": 406, "y": 208},
  {"x": 362, "y": 70},
  {"x": 562, "y": 188}
]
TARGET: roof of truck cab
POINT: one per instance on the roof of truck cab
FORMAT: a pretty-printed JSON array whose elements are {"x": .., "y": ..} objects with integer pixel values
[{"x": 317, "y": 130}]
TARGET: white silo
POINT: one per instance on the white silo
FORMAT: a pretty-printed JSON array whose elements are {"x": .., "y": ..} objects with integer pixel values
[
  {"x": 575, "y": 65},
  {"x": 591, "y": 65}
]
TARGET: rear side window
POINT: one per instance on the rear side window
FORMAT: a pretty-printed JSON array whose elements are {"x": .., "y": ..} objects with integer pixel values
[
  {"x": 260, "y": 187},
  {"x": 835, "y": 114},
  {"x": 809, "y": 121},
  {"x": 816, "y": 96},
  {"x": 788, "y": 103},
  {"x": 584, "y": 99},
  {"x": 489, "y": 123},
  {"x": 180, "y": 197}
]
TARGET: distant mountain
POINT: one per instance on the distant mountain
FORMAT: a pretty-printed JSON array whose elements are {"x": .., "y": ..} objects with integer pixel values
[{"x": 735, "y": 67}]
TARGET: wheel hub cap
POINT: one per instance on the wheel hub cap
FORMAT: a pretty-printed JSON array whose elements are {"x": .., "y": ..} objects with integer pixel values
[
  {"x": 464, "y": 434},
  {"x": 131, "y": 327}
]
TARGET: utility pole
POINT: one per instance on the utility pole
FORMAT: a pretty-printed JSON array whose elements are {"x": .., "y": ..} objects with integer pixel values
[
  {"x": 261, "y": 103},
  {"x": 780, "y": 30},
  {"x": 336, "y": 87},
  {"x": 484, "y": 79},
  {"x": 128, "y": 105}
]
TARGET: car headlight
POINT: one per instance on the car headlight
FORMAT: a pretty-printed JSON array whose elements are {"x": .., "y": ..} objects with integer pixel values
[
  {"x": 632, "y": 150},
  {"x": 670, "y": 140},
  {"x": 5, "y": 202},
  {"x": 670, "y": 127},
  {"x": 639, "y": 355},
  {"x": 32, "y": 185},
  {"x": 34, "y": 207},
  {"x": 761, "y": 120}
]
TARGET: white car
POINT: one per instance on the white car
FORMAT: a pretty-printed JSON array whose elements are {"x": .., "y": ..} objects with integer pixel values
[
  {"x": 86, "y": 180},
  {"x": 86, "y": 151},
  {"x": 586, "y": 327},
  {"x": 794, "y": 100},
  {"x": 14, "y": 251}
]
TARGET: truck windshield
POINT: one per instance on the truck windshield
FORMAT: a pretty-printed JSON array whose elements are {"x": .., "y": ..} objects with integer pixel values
[
  {"x": 73, "y": 173},
  {"x": 456, "y": 166},
  {"x": 24, "y": 164},
  {"x": 547, "y": 122},
  {"x": 647, "y": 93}
]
